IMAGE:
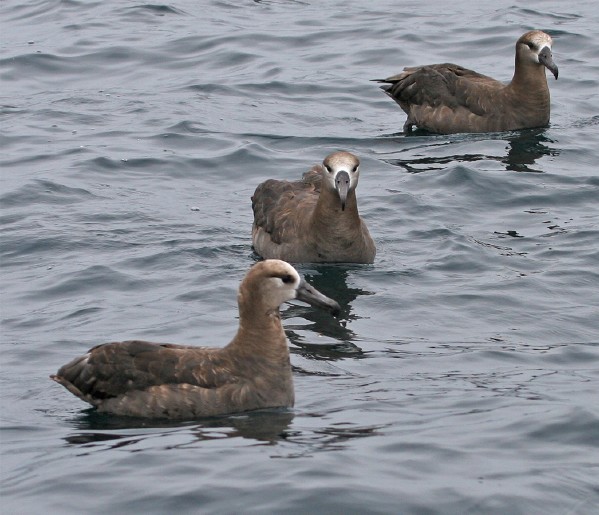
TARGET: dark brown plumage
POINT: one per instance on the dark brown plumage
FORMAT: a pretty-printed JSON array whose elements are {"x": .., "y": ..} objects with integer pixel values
[
  {"x": 253, "y": 371},
  {"x": 447, "y": 98},
  {"x": 315, "y": 219}
]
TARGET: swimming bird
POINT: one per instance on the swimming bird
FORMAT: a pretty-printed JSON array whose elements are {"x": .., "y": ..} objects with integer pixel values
[
  {"x": 447, "y": 98},
  {"x": 315, "y": 219},
  {"x": 143, "y": 379}
]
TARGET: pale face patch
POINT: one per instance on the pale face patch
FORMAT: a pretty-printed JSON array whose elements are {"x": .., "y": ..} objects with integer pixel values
[
  {"x": 536, "y": 40},
  {"x": 283, "y": 286},
  {"x": 339, "y": 162}
]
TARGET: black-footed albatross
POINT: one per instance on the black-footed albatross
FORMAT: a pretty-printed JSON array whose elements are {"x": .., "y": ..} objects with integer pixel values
[
  {"x": 314, "y": 220},
  {"x": 142, "y": 379},
  {"x": 446, "y": 98}
]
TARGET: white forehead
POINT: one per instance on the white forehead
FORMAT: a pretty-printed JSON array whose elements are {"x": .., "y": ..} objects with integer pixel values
[
  {"x": 540, "y": 39},
  {"x": 279, "y": 267},
  {"x": 343, "y": 160}
]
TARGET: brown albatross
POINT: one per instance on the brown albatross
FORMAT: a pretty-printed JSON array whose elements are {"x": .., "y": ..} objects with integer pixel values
[
  {"x": 253, "y": 371},
  {"x": 315, "y": 219},
  {"x": 446, "y": 98}
]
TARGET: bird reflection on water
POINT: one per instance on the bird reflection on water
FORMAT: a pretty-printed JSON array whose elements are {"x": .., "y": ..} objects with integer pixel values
[
  {"x": 524, "y": 148},
  {"x": 104, "y": 430},
  {"x": 99, "y": 432}
]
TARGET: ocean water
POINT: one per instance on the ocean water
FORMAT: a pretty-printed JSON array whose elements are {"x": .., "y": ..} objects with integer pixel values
[{"x": 462, "y": 376}]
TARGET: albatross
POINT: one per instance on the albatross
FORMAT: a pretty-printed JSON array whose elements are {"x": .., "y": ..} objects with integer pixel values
[
  {"x": 143, "y": 379},
  {"x": 314, "y": 219},
  {"x": 447, "y": 98}
]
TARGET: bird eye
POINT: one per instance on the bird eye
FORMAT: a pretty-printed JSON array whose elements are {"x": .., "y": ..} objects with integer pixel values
[{"x": 287, "y": 279}]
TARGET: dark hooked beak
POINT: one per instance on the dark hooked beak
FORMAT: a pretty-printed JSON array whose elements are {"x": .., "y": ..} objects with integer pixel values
[
  {"x": 342, "y": 187},
  {"x": 546, "y": 59},
  {"x": 307, "y": 293}
]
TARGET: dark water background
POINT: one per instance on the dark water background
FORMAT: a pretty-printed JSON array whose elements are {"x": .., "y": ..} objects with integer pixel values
[{"x": 464, "y": 374}]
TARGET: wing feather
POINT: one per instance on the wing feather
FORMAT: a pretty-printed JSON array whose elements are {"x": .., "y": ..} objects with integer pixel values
[
  {"x": 275, "y": 204},
  {"x": 113, "y": 369}
]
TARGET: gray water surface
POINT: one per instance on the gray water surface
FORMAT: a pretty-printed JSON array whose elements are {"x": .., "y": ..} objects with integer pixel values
[{"x": 463, "y": 374}]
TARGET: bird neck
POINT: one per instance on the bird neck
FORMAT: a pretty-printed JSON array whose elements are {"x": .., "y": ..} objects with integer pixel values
[
  {"x": 261, "y": 328},
  {"x": 328, "y": 215},
  {"x": 529, "y": 80}
]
